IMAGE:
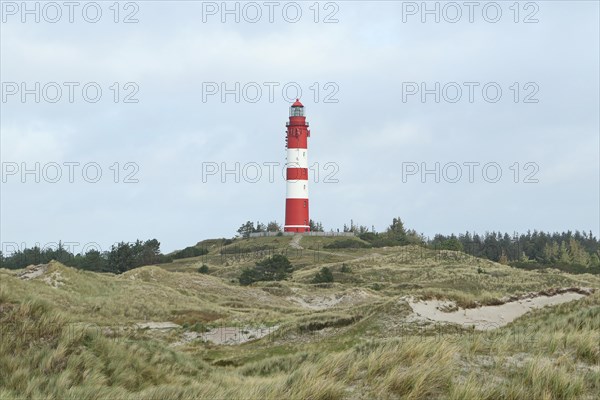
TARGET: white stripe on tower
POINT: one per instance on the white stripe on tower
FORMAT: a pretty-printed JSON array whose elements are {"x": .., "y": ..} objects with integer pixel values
[
  {"x": 297, "y": 189},
  {"x": 297, "y": 158}
]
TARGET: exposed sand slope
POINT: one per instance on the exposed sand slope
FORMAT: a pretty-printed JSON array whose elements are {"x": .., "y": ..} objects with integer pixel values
[
  {"x": 348, "y": 298},
  {"x": 227, "y": 335},
  {"x": 33, "y": 271},
  {"x": 486, "y": 317}
]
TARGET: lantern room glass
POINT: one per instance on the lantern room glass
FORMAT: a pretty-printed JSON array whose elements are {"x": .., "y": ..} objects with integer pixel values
[{"x": 296, "y": 111}]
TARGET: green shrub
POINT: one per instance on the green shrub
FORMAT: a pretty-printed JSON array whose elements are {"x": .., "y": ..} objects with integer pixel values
[
  {"x": 383, "y": 239},
  {"x": 323, "y": 276},
  {"x": 198, "y": 327},
  {"x": 248, "y": 276},
  {"x": 191, "y": 251},
  {"x": 275, "y": 268},
  {"x": 203, "y": 269}
]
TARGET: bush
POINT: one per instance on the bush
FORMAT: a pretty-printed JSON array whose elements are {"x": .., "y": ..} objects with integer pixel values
[
  {"x": 376, "y": 286},
  {"x": 203, "y": 269},
  {"x": 191, "y": 251},
  {"x": 346, "y": 269},
  {"x": 323, "y": 276},
  {"x": 248, "y": 276},
  {"x": 368, "y": 236},
  {"x": 198, "y": 327},
  {"x": 275, "y": 268}
]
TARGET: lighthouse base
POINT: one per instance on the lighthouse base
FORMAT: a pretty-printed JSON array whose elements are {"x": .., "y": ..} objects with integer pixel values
[
  {"x": 296, "y": 216},
  {"x": 304, "y": 228}
]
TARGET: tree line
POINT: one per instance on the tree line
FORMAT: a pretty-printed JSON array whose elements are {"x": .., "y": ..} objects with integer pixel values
[
  {"x": 577, "y": 251},
  {"x": 122, "y": 256},
  {"x": 576, "y": 248},
  {"x": 249, "y": 227}
]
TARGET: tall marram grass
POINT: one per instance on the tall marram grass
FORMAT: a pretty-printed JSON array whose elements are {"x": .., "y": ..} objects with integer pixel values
[
  {"x": 538, "y": 379},
  {"x": 43, "y": 356},
  {"x": 46, "y": 351}
]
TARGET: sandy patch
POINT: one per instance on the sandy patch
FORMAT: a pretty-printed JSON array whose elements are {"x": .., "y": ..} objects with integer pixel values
[
  {"x": 332, "y": 300},
  {"x": 33, "y": 271},
  {"x": 316, "y": 302},
  {"x": 225, "y": 335},
  {"x": 186, "y": 338},
  {"x": 485, "y": 317},
  {"x": 146, "y": 274},
  {"x": 55, "y": 279},
  {"x": 228, "y": 335},
  {"x": 237, "y": 335},
  {"x": 157, "y": 325}
]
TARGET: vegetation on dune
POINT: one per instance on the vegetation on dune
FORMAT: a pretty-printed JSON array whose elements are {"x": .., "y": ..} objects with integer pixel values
[
  {"x": 248, "y": 227},
  {"x": 563, "y": 250},
  {"x": 346, "y": 244},
  {"x": 43, "y": 356},
  {"x": 203, "y": 269},
  {"x": 121, "y": 257},
  {"x": 323, "y": 276},
  {"x": 191, "y": 251},
  {"x": 275, "y": 268},
  {"x": 73, "y": 334},
  {"x": 237, "y": 249},
  {"x": 577, "y": 252}
]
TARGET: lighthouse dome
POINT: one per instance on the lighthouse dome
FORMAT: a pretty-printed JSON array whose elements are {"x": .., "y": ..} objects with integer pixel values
[{"x": 297, "y": 103}]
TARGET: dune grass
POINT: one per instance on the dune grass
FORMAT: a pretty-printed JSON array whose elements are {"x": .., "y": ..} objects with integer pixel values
[{"x": 78, "y": 340}]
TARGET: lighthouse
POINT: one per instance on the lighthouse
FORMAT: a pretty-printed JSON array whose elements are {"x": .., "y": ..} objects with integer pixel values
[{"x": 296, "y": 202}]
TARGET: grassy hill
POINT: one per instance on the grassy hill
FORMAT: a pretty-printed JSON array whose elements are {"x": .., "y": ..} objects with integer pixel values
[{"x": 162, "y": 332}]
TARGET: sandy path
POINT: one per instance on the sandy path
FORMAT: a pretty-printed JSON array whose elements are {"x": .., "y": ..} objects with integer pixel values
[
  {"x": 486, "y": 317},
  {"x": 295, "y": 242}
]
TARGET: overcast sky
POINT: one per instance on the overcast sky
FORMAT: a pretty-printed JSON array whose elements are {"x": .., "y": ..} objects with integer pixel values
[{"x": 362, "y": 80}]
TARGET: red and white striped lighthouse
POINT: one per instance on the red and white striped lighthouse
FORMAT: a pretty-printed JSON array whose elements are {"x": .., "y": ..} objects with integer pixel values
[{"x": 296, "y": 202}]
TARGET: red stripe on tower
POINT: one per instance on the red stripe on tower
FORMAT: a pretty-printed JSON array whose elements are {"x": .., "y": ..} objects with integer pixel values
[
  {"x": 296, "y": 202},
  {"x": 294, "y": 174}
]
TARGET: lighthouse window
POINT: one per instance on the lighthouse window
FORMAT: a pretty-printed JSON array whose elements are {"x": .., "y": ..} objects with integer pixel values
[{"x": 304, "y": 203}]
